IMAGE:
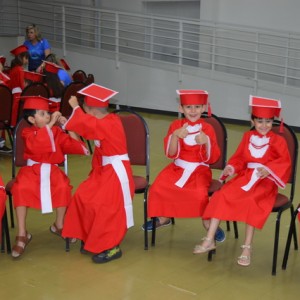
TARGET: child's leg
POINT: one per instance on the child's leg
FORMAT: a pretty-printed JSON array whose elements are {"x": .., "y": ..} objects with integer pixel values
[
  {"x": 244, "y": 259},
  {"x": 208, "y": 241},
  {"x": 60, "y": 215},
  {"x": 22, "y": 238},
  {"x": 21, "y": 212}
]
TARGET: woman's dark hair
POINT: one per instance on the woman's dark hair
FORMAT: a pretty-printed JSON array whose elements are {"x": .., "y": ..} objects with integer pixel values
[
  {"x": 54, "y": 84},
  {"x": 18, "y": 60}
]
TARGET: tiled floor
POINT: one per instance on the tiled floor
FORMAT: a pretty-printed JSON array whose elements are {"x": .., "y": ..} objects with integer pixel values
[{"x": 168, "y": 271}]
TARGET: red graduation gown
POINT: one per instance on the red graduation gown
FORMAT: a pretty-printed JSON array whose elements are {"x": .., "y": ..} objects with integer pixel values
[
  {"x": 96, "y": 214},
  {"x": 16, "y": 84},
  {"x": 166, "y": 198},
  {"x": 253, "y": 207},
  {"x": 45, "y": 145}
]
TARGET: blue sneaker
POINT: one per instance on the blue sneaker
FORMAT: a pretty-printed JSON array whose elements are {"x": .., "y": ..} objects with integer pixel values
[
  {"x": 220, "y": 235},
  {"x": 158, "y": 224}
]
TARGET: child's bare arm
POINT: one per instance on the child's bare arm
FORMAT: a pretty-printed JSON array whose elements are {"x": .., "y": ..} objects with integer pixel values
[{"x": 73, "y": 101}]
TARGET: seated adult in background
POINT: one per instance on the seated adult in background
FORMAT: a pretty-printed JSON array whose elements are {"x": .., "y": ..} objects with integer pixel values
[{"x": 38, "y": 47}]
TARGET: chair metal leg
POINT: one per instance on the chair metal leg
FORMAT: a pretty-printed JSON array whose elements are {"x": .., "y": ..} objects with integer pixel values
[
  {"x": 294, "y": 229},
  {"x": 236, "y": 231},
  {"x": 11, "y": 211},
  {"x": 153, "y": 232},
  {"x": 227, "y": 225},
  {"x": 145, "y": 221},
  {"x": 5, "y": 235},
  {"x": 90, "y": 147},
  {"x": 67, "y": 244},
  {"x": 289, "y": 240},
  {"x": 276, "y": 241}
]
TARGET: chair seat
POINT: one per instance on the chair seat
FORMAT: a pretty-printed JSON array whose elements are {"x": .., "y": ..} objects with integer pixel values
[
  {"x": 140, "y": 183},
  {"x": 214, "y": 186},
  {"x": 281, "y": 200},
  {"x": 9, "y": 185}
]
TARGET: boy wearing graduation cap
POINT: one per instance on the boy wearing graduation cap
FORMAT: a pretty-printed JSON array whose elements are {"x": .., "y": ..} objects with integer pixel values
[
  {"x": 181, "y": 189},
  {"x": 42, "y": 184},
  {"x": 261, "y": 164},
  {"x": 101, "y": 209}
]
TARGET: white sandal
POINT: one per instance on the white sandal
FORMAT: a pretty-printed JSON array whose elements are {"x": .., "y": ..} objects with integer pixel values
[
  {"x": 198, "y": 249},
  {"x": 244, "y": 260}
]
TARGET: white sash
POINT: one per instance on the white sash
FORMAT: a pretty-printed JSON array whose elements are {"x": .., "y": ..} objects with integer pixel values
[
  {"x": 16, "y": 90},
  {"x": 118, "y": 166},
  {"x": 254, "y": 177},
  {"x": 45, "y": 191},
  {"x": 189, "y": 168}
]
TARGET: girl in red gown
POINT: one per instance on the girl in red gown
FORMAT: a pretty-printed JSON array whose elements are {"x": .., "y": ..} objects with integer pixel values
[{"x": 261, "y": 164}]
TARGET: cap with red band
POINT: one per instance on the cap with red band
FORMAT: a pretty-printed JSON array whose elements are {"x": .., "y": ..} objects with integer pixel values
[
  {"x": 19, "y": 50},
  {"x": 265, "y": 107},
  {"x": 35, "y": 102},
  {"x": 193, "y": 97},
  {"x": 97, "y": 95}
]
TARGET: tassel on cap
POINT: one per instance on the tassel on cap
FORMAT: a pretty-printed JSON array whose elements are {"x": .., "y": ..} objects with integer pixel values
[
  {"x": 281, "y": 128},
  {"x": 209, "y": 109}
]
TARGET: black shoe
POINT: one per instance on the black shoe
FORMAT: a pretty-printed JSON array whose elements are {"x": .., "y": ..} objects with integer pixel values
[
  {"x": 107, "y": 255},
  {"x": 5, "y": 150}
]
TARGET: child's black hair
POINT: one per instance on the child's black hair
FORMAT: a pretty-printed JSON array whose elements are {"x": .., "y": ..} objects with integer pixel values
[
  {"x": 255, "y": 117},
  {"x": 28, "y": 113}
]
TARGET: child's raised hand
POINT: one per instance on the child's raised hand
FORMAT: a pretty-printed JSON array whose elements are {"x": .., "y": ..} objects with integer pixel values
[
  {"x": 181, "y": 132},
  {"x": 201, "y": 138},
  {"x": 262, "y": 173},
  {"x": 73, "y": 101},
  {"x": 54, "y": 118},
  {"x": 228, "y": 171},
  {"x": 62, "y": 120}
]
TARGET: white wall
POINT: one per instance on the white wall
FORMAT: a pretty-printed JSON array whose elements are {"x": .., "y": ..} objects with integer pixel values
[{"x": 270, "y": 14}]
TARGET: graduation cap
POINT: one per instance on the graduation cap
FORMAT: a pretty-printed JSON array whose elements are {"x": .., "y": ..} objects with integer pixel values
[
  {"x": 35, "y": 102},
  {"x": 265, "y": 107},
  {"x": 193, "y": 97},
  {"x": 2, "y": 59},
  {"x": 19, "y": 50},
  {"x": 51, "y": 67},
  {"x": 35, "y": 77},
  {"x": 4, "y": 77},
  {"x": 65, "y": 64},
  {"x": 97, "y": 95}
]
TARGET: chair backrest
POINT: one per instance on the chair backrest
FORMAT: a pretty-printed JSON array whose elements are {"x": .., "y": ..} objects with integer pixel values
[
  {"x": 221, "y": 134},
  {"x": 18, "y": 148},
  {"x": 5, "y": 106},
  {"x": 70, "y": 90},
  {"x": 292, "y": 142},
  {"x": 90, "y": 79},
  {"x": 36, "y": 89},
  {"x": 79, "y": 75},
  {"x": 137, "y": 137}
]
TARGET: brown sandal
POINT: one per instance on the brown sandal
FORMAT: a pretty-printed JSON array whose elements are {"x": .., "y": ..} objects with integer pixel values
[
  {"x": 55, "y": 230},
  {"x": 18, "y": 250}
]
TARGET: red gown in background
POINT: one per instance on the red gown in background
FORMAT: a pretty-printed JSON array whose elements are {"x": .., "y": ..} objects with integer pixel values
[
  {"x": 16, "y": 84},
  {"x": 2, "y": 204},
  {"x": 168, "y": 197},
  {"x": 97, "y": 215},
  {"x": 245, "y": 197},
  {"x": 45, "y": 145}
]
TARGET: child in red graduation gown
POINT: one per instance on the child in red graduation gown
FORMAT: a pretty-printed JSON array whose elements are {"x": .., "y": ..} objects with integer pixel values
[
  {"x": 17, "y": 79},
  {"x": 261, "y": 164},
  {"x": 101, "y": 210},
  {"x": 42, "y": 184},
  {"x": 181, "y": 189}
]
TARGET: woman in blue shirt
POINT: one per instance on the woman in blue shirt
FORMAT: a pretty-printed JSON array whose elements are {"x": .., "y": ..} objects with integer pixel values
[{"x": 38, "y": 47}]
